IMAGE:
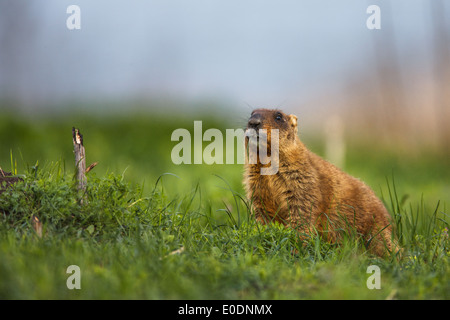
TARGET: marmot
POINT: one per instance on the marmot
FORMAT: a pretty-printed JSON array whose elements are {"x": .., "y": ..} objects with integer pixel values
[{"x": 309, "y": 193}]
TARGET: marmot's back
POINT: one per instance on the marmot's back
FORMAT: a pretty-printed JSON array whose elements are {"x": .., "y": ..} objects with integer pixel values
[{"x": 308, "y": 191}]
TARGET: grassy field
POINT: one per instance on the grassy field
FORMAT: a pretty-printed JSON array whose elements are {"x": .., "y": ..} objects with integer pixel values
[{"x": 150, "y": 229}]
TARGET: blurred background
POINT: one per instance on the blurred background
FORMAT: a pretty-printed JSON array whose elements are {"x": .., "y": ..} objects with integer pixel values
[{"x": 374, "y": 102}]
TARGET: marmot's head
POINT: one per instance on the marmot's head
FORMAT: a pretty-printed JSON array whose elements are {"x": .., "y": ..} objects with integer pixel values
[{"x": 274, "y": 119}]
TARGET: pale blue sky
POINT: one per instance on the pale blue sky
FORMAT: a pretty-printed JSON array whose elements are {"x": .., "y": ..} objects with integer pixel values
[{"x": 255, "y": 52}]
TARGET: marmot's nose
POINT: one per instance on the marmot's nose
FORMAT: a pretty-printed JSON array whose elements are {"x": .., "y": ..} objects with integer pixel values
[{"x": 254, "y": 121}]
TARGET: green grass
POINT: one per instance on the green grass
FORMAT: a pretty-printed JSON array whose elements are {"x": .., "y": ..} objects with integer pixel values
[{"x": 143, "y": 234}]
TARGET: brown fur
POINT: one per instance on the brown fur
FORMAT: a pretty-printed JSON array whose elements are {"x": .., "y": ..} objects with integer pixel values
[{"x": 309, "y": 193}]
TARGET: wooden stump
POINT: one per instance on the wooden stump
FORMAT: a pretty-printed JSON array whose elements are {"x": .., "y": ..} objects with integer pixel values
[{"x": 80, "y": 159}]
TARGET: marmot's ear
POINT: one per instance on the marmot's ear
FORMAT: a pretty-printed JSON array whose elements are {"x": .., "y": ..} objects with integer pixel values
[{"x": 293, "y": 122}]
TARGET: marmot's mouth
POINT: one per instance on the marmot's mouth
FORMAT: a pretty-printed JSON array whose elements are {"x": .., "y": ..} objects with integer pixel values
[
  {"x": 256, "y": 139},
  {"x": 249, "y": 133},
  {"x": 252, "y": 137}
]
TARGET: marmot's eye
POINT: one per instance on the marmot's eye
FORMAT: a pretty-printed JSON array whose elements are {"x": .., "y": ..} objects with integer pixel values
[{"x": 279, "y": 117}]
